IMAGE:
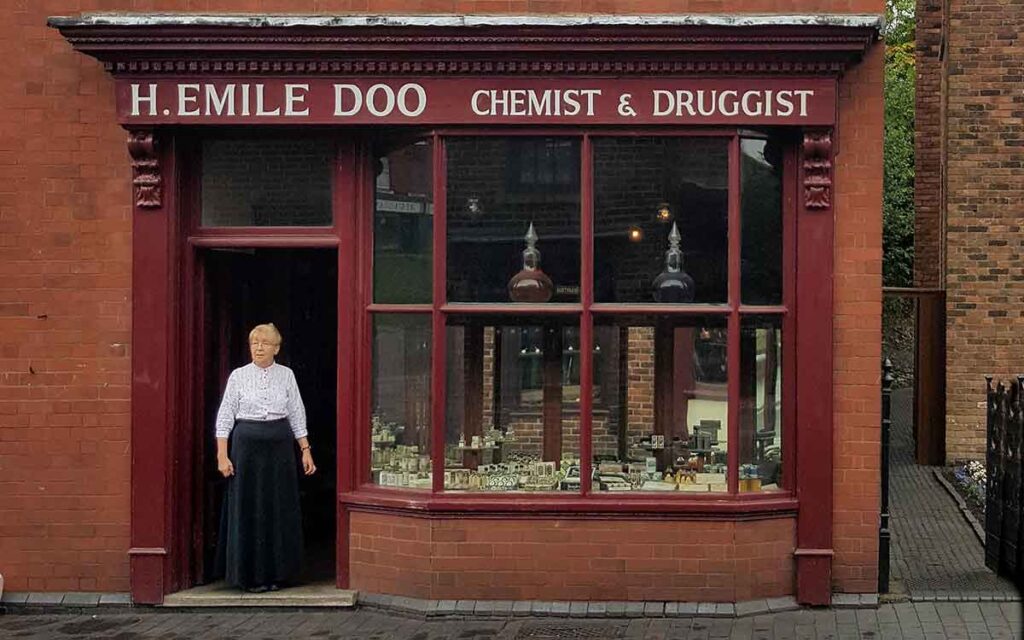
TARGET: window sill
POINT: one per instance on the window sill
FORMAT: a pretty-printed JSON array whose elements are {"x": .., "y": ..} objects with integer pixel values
[{"x": 539, "y": 506}]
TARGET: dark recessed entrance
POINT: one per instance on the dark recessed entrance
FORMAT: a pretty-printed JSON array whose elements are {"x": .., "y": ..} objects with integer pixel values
[{"x": 296, "y": 289}]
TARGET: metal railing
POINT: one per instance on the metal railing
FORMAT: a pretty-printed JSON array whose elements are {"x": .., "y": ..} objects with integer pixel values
[
  {"x": 1004, "y": 493},
  {"x": 884, "y": 534}
]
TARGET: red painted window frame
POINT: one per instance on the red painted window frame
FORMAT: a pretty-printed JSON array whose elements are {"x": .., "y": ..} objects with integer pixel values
[{"x": 586, "y": 500}]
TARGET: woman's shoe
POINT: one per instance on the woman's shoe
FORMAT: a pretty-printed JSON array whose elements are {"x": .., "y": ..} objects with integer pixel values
[
  {"x": 258, "y": 589},
  {"x": 274, "y": 587}
]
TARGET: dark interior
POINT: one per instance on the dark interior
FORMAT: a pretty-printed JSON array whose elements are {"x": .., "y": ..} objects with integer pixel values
[{"x": 296, "y": 289}]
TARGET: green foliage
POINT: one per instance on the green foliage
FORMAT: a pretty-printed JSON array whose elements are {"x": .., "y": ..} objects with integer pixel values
[
  {"x": 899, "y": 21},
  {"x": 898, "y": 198}
]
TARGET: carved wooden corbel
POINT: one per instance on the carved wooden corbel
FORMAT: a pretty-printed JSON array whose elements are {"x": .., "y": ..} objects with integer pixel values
[
  {"x": 817, "y": 166},
  {"x": 146, "y": 178}
]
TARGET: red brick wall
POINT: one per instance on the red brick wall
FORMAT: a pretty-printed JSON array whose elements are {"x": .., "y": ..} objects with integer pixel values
[
  {"x": 572, "y": 559},
  {"x": 984, "y": 213},
  {"x": 857, "y": 327},
  {"x": 65, "y": 308},
  {"x": 65, "y": 304},
  {"x": 928, "y": 143}
]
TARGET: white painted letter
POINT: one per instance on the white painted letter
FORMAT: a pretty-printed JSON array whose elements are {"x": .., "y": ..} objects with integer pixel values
[
  {"x": 732, "y": 108},
  {"x": 215, "y": 104},
  {"x": 785, "y": 104},
  {"x": 590, "y": 94},
  {"x": 482, "y": 93},
  {"x": 658, "y": 95},
  {"x": 684, "y": 98},
  {"x": 138, "y": 98},
  {"x": 260, "y": 111},
  {"x": 389, "y": 100},
  {"x": 747, "y": 110},
  {"x": 403, "y": 105},
  {"x": 357, "y": 100},
  {"x": 572, "y": 105},
  {"x": 709, "y": 110},
  {"x": 541, "y": 107},
  {"x": 803, "y": 101},
  {"x": 291, "y": 99},
  {"x": 517, "y": 102},
  {"x": 183, "y": 99}
]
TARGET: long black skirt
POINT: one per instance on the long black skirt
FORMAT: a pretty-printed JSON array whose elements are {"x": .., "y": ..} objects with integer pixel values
[{"x": 260, "y": 541}]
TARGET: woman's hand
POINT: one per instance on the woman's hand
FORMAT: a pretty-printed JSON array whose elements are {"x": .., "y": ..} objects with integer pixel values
[
  {"x": 307, "y": 463},
  {"x": 225, "y": 467}
]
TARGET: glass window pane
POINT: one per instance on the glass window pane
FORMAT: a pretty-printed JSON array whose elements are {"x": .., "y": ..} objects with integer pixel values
[
  {"x": 761, "y": 404},
  {"x": 403, "y": 225},
  {"x": 259, "y": 183},
  {"x": 513, "y": 405},
  {"x": 400, "y": 401},
  {"x": 498, "y": 189},
  {"x": 643, "y": 189},
  {"x": 761, "y": 213},
  {"x": 660, "y": 417}
]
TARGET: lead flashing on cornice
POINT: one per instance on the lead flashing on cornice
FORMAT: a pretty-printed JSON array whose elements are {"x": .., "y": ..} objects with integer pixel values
[{"x": 856, "y": 21}]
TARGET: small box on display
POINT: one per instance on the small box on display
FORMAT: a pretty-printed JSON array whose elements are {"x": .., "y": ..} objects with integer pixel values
[{"x": 750, "y": 484}]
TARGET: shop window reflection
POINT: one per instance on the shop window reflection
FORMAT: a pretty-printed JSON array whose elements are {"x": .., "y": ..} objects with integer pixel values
[
  {"x": 652, "y": 194},
  {"x": 512, "y": 406},
  {"x": 760, "y": 438},
  {"x": 271, "y": 182},
  {"x": 400, "y": 402},
  {"x": 505, "y": 195},
  {"x": 663, "y": 424},
  {"x": 761, "y": 216},
  {"x": 403, "y": 224},
  {"x": 543, "y": 164}
]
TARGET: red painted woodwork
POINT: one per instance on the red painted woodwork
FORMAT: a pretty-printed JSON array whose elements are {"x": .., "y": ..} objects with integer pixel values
[
  {"x": 154, "y": 406},
  {"x": 789, "y": 362},
  {"x": 386, "y": 101},
  {"x": 349, "y": 317},
  {"x": 596, "y": 505},
  {"x": 256, "y": 49},
  {"x": 146, "y": 178},
  {"x": 439, "y": 333},
  {"x": 815, "y": 229},
  {"x": 452, "y": 62},
  {"x": 733, "y": 348},
  {"x": 586, "y": 318}
]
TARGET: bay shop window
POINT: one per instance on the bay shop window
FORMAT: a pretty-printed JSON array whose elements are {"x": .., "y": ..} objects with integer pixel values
[{"x": 592, "y": 313}]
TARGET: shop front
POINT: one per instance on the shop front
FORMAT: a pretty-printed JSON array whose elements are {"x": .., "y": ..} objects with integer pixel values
[{"x": 559, "y": 294}]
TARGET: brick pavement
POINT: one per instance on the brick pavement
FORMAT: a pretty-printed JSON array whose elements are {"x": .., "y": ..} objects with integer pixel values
[
  {"x": 913, "y": 621},
  {"x": 935, "y": 553}
]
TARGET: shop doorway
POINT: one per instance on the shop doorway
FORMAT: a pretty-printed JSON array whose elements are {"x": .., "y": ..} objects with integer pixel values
[{"x": 296, "y": 289}]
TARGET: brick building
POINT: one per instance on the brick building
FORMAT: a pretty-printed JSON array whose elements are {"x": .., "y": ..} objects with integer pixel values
[
  {"x": 380, "y": 188},
  {"x": 969, "y": 192}
]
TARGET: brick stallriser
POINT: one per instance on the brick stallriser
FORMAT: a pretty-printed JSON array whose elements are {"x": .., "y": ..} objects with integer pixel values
[{"x": 572, "y": 559}]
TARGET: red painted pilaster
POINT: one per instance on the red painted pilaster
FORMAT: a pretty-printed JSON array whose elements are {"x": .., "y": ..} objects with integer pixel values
[
  {"x": 814, "y": 370},
  {"x": 153, "y": 363}
]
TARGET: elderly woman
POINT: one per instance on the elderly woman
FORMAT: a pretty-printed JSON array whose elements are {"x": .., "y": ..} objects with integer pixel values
[{"x": 260, "y": 545}]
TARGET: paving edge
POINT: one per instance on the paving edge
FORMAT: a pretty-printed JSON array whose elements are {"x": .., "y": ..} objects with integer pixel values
[
  {"x": 598, "y": 609},
  {"x": 966, "y": 597},
  {"x": 979, "y": 531},
  {"x": 65, "y": 599}
]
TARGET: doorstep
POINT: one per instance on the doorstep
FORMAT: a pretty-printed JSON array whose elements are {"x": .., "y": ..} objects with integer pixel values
[{"x": 217, "y": 594}]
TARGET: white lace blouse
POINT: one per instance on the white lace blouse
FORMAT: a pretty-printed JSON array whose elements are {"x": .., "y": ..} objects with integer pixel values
[{"x": 261, "y": 394}]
